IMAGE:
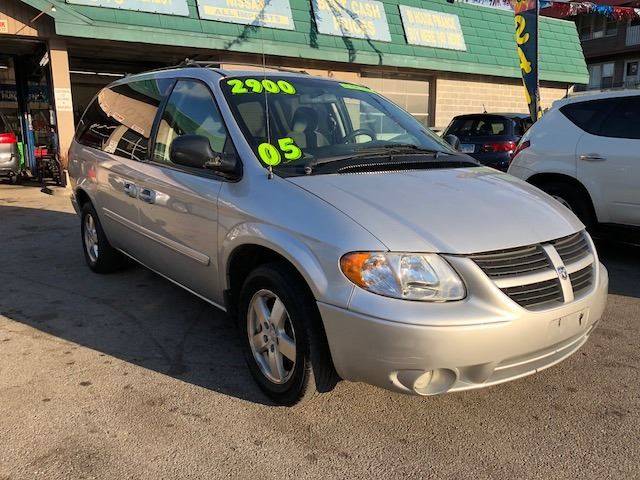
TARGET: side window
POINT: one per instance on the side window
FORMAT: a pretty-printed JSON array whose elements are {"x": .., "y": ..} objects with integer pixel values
[
  {"x": 588, "y": 115},
  {"x": 624, "y": 120},
  {"x": 120, "y": 118},
  {"x": 191, "y": 110}
]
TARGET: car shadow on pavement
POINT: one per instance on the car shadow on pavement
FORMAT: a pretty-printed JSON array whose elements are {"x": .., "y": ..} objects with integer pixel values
[
  {"x": 133, "y": 315},
  {"x": 623, "y": 263},
  {"x": 139, "y": 317}
]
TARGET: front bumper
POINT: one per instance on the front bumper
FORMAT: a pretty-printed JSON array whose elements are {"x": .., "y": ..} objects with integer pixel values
[
  {"x": 74, "y": 202},
  {"x": 461, "y": 345}
]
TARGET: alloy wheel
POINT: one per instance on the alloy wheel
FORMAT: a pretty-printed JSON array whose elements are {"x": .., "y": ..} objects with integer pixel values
[
  {"x": 91, "y": 237},
  {"x": 271, "y": 336}
]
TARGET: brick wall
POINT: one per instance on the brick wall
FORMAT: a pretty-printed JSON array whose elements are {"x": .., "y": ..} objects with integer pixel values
[{"x": 461, "y": 94}]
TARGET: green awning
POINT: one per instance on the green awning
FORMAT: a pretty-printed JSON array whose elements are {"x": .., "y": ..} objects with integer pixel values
[{"x": 488, "y": 34}]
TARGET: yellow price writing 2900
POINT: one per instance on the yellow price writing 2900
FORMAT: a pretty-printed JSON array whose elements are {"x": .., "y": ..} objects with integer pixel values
[
  {"x": 272, "y": 156},
  {"x": 253, "y": 85}
]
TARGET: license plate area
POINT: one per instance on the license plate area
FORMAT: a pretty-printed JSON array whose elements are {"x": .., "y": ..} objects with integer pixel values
[
  {"x": 569, "y": 325},
  {"x": 467, "y": 147}
]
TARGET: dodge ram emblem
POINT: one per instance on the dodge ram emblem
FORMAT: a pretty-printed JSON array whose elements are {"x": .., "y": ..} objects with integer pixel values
[{"x": 562, "y": 273}]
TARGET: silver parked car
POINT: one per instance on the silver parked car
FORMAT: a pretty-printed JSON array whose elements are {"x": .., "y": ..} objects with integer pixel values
[
  {"x": 347, "y": 240},
  {"x": 9, "y": 152}
]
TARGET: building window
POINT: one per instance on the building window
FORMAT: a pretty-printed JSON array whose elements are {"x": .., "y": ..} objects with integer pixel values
[
  {"x": 633, "y": 33},
  {"x": 601, "y": 75},
  {"x": 409, "y": 93},
  {"x": 591, "y": 27},
  {"x": 632, "y": 73}
]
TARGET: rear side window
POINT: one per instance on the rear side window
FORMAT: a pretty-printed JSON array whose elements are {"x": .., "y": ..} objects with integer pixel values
[
  {"x": 588, "y": 115},
  {"x": 120, "y": 118},
  {"x": 522, "y": 125},
  {"x": 624, "y": 120},
  {"x": 479, "y": 127}
]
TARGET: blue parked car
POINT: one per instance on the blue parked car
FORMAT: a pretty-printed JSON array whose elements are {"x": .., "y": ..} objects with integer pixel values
[{"x": 490, "y": 138}]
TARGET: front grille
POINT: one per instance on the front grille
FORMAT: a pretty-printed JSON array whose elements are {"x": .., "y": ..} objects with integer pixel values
[
  {"x": 529, "y": 277},
  {"x": 581, "y": 280},
  {"x": 515, "y": 261},
  {"x": 572, "y": 248},
  {"x": 536, "y": 293}
]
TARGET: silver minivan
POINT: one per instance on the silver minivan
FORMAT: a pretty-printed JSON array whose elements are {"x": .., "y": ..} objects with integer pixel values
[{"x": 345, "y": 239}]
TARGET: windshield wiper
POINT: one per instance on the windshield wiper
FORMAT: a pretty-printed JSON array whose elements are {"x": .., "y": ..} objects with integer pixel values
[
  {"x": 404, "y": 148},
  {"x": 377, "y": 151}
]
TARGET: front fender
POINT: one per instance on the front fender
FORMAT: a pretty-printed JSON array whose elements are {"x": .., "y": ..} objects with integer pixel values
[{"x": 318, "y": 265}]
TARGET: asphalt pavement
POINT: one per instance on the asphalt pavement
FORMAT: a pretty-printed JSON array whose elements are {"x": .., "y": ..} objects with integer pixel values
[{"x": 127, "y": 376}]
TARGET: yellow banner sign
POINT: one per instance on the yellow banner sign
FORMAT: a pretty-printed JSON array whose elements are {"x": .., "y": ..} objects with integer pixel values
[
  {"x": 261, "y": 13},
  {"x": 432, "y": 29}
]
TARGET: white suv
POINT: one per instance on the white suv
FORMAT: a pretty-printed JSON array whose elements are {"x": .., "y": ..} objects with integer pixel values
[{"x": 585, "y": 152}]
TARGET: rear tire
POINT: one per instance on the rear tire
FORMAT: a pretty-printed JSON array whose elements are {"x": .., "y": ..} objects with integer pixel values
[
  {"x": 100, "y": 256},
  {"x": 290, "y": 343},
  {"x": 572, "y": 198}
]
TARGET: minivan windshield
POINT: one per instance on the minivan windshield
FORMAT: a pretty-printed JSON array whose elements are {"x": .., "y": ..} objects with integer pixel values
[{"x": 296, "y": 123}]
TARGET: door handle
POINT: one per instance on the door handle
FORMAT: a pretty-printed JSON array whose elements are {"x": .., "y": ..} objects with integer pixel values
[
  {"x": 147, "y": 195},
  {"x": 592, "y": 157},
  {"x": 130, "y": 189}
]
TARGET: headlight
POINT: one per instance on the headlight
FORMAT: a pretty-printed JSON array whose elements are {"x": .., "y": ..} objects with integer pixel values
[{"x": 426, "y": 277}]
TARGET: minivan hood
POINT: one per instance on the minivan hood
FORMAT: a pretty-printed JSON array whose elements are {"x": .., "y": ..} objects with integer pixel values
[{"x": 464, "y": 210}]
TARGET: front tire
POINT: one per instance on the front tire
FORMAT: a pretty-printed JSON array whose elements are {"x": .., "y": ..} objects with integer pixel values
[
  {"x": 100, "y": 256},
  {"x": 283, "y": 340}
]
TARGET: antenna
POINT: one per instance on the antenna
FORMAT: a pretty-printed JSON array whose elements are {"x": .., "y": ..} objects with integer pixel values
[{"x": 266, "y": 100}]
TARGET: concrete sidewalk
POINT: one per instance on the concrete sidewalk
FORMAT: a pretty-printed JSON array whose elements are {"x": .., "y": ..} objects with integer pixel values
[{"x": 128, "y": 376}]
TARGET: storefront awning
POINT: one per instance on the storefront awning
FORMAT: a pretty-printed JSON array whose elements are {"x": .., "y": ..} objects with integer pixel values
[{"x": 487, "y": 36}]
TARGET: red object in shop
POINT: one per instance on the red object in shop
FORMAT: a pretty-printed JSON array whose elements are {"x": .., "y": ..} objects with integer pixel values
[
  {"x": 40, "y": 152},
  {"x": 8, "y": 138}
]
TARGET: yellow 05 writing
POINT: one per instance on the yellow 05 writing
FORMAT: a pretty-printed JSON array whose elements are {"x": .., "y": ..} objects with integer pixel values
[
  {"x": 253, "y": 85},
  {"x": 272, "y": 155}
]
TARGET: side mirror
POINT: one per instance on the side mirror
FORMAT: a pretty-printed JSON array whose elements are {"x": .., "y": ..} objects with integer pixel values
[
  {"x": 195, "y": 151},
  {"x": 453, "y": 141}
]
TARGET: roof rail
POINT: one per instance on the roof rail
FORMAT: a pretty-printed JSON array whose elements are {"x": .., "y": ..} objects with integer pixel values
[
  {"x": 189, "y": 63},
  {"x": 218, "y": 65}
]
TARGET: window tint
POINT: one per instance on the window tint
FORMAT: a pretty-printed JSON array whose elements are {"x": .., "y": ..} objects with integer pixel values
[
  {"x": 479, "y": 127},
  {"x": 588, "y": 115},
  {"x": 363, "y": 115},
  {"x": 120, "y": 118},
  {"x": 624, "y": 120},
  {"x": 522, "y": 125},
  {"x": 191, "y": 110}
]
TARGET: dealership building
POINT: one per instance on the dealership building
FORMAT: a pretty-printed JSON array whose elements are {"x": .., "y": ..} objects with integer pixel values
[{"x": 433, "y": 58}]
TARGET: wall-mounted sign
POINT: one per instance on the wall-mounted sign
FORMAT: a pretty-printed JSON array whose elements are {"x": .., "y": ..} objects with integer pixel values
[
  {"x": 168, "y": 7},
  {"x": 432, "y": 29},
  {"x": 352, "y": 18},
  {"x": 4, "y": 25},
  {"x": 499, "y": 4},
  {"x": 63, "y": 99},
  {"x": 261, "y": 13}
]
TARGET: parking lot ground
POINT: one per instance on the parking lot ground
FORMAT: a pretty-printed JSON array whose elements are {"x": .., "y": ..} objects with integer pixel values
[{"x": 128, "y": 376}]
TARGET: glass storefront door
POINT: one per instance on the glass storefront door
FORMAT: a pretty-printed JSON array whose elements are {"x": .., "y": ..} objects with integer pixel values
[
  {"x": 25, "y": 105},
  {"x": 9, "y": 109}
]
